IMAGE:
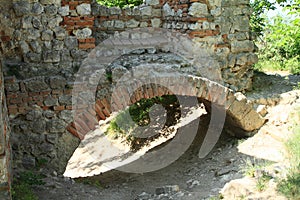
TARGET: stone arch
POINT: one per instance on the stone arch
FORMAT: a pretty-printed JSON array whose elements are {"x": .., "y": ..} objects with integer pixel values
[{"x": 207, "y": 86}]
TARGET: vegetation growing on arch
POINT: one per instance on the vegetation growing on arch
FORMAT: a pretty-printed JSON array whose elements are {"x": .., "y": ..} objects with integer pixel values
[{"x": 120, "y": 3}]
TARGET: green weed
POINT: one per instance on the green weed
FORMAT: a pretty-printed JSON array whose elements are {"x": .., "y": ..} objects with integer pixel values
[
  {"x": 89, "y": 181},
  {"x": 22, "y": 186},
  {"x": 290, "y": 186},
  {"x": 250, "y": 167}
]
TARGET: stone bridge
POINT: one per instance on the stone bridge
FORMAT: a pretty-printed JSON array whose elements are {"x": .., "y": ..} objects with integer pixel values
[{"x": 68, "y": 64}]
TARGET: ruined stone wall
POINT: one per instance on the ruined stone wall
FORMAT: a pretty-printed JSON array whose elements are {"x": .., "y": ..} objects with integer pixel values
[
  {"x": 45, "y": 42},
  {"x": 5, "y": 149}
]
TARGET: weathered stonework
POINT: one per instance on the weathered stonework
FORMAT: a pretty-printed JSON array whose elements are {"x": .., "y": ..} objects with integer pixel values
[
  {"x": 5, "y": 149},
  {"x": 45, "y": 42}
]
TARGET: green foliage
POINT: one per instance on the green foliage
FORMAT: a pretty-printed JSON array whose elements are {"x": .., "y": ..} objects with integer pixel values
[
  {"x": 23, "y": 191},
  {"x": 120, "y": 3},
  {"x": 258, "y": 19},
  {"x": 280, "y": 49},
  {"x": 22, "y": 186},
  {"x": 290, "y": 186}
]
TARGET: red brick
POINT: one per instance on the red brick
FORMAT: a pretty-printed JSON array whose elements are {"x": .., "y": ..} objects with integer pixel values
[
  {"x": 99, "y": 112},
  {"x": 106, "y": 104},
  {"x": 89, "y": 18},
  {"x": 5, "y": 38},
  {"x": 106, "y": 112},
  {"x": 84, "y": 23},
  {"x": 40, "y": 103},
  {"x": 59, "y": 92},
  {"x": 90, "y": 40},
  {"x": 46, "y": 107},
  {"x": 15, "y": 100},
  {"x": 11, "y": 95},
  {"x": 74, "y": 3},
  {"x": 87, "y": 46},
  {"x": 69, "y": 107},
  {"x": 68, "y": 91},
  {"x": 74, "y": 132},
  {"x": 69, "y": 23},
  {"x": 59, "y": 108},
  {"x": 81, "y": 40},
  {"x": 12, "y": 111},
  {"x": 81, "y": 124},
  {"x": 45, "y": 93}
]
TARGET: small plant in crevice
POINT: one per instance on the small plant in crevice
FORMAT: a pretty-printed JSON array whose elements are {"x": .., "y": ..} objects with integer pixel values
[
  {"x": 297, "y": 87},
  {"x": 41, "y": 162},
  {"x": 262, "y": 182},
  {"x": 219, "y": 197},
  {"x": 252, "y": 166},
  {"x": 23, "y": 183},
  {"x": 257, "y": 169},
  {"x": 89, "y": 181},
  {"x": 109, "y": 76}
]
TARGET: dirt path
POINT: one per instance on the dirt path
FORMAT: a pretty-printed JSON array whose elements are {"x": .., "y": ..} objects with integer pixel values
[{"x": 191, "y": 177}]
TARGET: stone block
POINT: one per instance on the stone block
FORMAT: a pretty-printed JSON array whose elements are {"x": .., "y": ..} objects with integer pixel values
[
  {"x": 37, "y": 9},
  {"x": 152, "y": 2},
  {"x": 49, "y": 2},
  {"x": 83, "y": 33},
  {"x": 132, "y": 23},
  {"x": 33, "y": 34},
  {"x": 50, "y": 56},
  {"x": 198, "y": 10},
  {"x": 55, "y": 22},
  {"x": 242, "y": 46},
  {"x": 155, "y": 23},
  {"x": 56, "y": 126},
  {"x": 115, "y": 11},
  {"x": 71, "y": 42},
  {"x": 167, "y": 10},
  {"x": 51, "y": 10},
  {"x": 27, "y": 22},
  {"x": 64, "y": 10},
  {"x": 119, "y": 24},
  {"x": 84, "y": 9},
  {"x": 36, "y": 23},
  {"x": 47, "y": 35},
  {"x": 50, "y": 101},
  {"x": 22, "y": 8},
  {"x": 146, "y": 11}
]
